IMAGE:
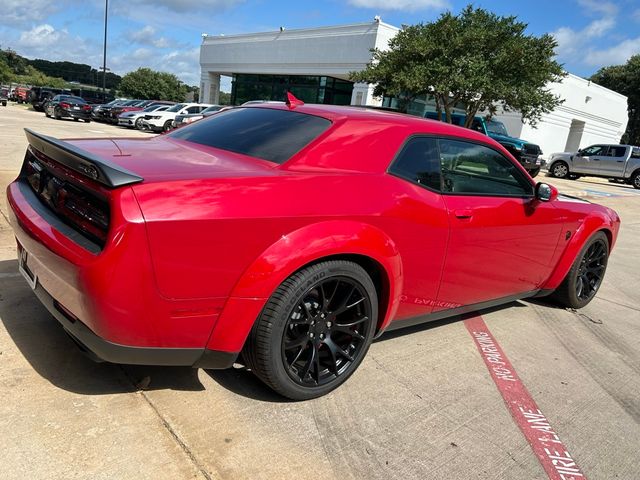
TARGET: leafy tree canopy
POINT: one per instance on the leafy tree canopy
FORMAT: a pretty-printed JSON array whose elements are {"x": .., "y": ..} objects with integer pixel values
[
  {"x": 625, "y": 79},
  {"x": 145, "y": 83},
  {"x": 475, "y": 58}
]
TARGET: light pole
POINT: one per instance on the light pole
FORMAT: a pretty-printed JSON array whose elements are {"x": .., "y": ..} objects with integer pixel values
[{"x": 104, "y": 52}]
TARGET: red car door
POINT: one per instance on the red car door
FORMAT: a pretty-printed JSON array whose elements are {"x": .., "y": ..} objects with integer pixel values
[{"x": 502, "y": 240}]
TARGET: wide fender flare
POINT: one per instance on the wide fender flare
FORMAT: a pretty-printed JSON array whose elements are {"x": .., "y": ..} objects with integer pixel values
[
  {"x": 292, "y": 252},
  {"x": 589, "y": 227}
]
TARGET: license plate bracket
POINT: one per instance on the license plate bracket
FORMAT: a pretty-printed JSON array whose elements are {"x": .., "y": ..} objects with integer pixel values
[{"x": 23, "y": 268}]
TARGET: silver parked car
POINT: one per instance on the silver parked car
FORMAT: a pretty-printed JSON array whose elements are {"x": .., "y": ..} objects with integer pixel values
[
  {"x": 620, "y": 162},
  {"x": 134, "y": 119}
]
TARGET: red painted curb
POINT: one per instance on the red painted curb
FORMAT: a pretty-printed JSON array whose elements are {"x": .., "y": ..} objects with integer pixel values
[{"x": 546, "y": 444}]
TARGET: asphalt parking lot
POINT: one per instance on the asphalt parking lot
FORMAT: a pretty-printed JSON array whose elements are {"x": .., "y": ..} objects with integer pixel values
[{"x": 422, "y": 405}]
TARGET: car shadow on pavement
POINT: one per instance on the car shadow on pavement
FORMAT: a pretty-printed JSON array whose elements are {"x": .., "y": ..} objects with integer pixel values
[
  {"x": 54, "y": 356},
  {"x": 244, "y": 383}
]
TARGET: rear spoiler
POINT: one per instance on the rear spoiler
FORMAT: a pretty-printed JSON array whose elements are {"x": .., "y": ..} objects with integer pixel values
[{"x": 82, "y": 161}]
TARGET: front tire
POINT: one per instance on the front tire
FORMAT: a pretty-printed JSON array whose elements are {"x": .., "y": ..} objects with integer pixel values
[
  {"x": 315, "y": 330},
  {"x": 168, "y": 125},
  {"x": 138, "y": 123},
  {"x": 587, "y": 272},
  {"x": 559, "y": 170}
]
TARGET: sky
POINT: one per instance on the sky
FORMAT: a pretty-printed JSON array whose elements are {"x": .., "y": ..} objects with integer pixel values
[{"x": 166, "y": 34}]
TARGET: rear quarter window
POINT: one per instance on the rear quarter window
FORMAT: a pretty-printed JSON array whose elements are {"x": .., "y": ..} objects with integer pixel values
[{"x": 273, "y": 135}]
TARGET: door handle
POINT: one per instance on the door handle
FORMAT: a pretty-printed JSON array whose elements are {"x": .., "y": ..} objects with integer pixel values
[{"x": 463, "y": 213}]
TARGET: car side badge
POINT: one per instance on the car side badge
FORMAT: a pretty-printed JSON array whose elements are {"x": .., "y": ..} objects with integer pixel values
[{"x": 292, "y": 101}]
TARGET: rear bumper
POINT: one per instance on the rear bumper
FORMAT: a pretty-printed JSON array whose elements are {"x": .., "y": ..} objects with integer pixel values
[
  {"x": 75, "y": 114},
  {"x": 100, "y": 349}
]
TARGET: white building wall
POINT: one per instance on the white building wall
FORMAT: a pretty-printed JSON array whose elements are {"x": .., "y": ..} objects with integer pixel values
[
  {"x": 328, "y": 51},
  {"x": 598, "y": 115}
]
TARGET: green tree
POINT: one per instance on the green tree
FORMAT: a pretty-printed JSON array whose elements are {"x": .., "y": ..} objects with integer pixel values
[
  {"x": 625, "y": 79},
  {"x": 6, "y": 74},
  {"x": 225, "y": 98},
  {"x": 475, "y": 58},
  {"x": 145, "y": 83}
]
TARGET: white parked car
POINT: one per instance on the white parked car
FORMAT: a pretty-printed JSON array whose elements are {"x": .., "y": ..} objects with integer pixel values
[
  {"x": 134, "y": 119},
  {"x": 163, "y": 121}
]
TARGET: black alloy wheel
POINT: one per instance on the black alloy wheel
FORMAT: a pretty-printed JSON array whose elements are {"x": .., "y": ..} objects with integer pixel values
[
  {"x": 635, "y": 180},
  {"x": 591, "y": 270},
  {"x": 315, "y": 330},
  {"x": 326, "y": 331},
  {"x": 586, "y": 274}
]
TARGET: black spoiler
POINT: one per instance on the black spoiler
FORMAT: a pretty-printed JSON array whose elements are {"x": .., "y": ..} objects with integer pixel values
[{"x": 82, "y": 161}]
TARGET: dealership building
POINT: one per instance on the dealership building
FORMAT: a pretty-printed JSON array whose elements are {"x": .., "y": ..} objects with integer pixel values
[{"x": 314, "y": 64}]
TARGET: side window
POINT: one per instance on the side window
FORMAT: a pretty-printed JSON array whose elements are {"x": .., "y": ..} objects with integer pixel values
[
  {"x": 594, "y": 150},
  {"x": 618, "y": 151},
  {"x": 469, "y": 168},
  {"x": 418, "y": 162},
  {"x": 477, "y": 126},
  {"x": 193, "y": 110}
]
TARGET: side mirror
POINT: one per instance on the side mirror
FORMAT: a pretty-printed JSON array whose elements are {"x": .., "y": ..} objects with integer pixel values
[{"x": 545, "y": 192}]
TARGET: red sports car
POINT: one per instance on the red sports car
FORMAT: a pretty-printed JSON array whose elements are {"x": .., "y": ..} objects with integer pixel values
[{"x": 289, "y": 236}]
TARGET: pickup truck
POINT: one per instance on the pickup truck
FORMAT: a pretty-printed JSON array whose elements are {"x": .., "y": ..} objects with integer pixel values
[
  {"x": 528, "y": 154},
  {"x": 621, "y": 162}
]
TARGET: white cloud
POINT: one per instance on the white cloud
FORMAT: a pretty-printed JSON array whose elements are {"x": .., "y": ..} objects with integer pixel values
[
  {"x": 616, "y": 55},
  {"x": 21, "y": 12},
  {"x": 601, "y": 8},
  {"x": 411, "y": 5},
  {"x": 571, "y": 42},
  {"x": 185, "y": 64},
  {"x": 148, "y": 36},
  {"x": 44, "y": 41}
]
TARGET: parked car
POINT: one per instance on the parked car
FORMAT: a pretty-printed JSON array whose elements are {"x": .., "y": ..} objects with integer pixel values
[
  {"x": 4, "y": 96},
  {"x": 527, "y": 153},
  {"x": 39, "y": 96},
  {"x": 96, "y": 110},
  {"x": 66, "y": 106},
  {"x": 104, "y": 114},
  {"x": 135, "y": 107},
  {"x": 19, "y": 94},
  {"x": 163, "y": 121},
  {"x": 182, "y": 120},
  {"x": 134, "y": 119},
  {"x": 620, "y": 162},
  {"x": 287, "y": 237}
]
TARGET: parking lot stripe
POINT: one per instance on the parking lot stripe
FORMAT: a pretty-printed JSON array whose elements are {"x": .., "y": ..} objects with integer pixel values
[{"x": 544, "y": 441}]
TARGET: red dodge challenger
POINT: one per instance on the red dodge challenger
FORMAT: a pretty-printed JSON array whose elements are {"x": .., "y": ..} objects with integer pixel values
[{"x": 288, "y": 236}]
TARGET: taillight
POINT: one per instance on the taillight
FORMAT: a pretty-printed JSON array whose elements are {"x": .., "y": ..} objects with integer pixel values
[
  {"x": 86, "y": 108},
  {"x": 87, "y": 214},
  {"x": 64, "y": 105}
]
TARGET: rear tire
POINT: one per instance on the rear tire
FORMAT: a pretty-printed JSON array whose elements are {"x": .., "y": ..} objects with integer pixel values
[
  {"x": 559, "y": 170},
  {"x": 534, "y": 173},
  {"x": 635, "y": 180},
  {"x": 586, "y": 274},
  {"x": 315, "y": 330}
]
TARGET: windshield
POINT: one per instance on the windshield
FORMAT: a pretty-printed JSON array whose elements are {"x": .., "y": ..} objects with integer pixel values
[
  {"x": 496, "y": 127},
  {"x": 177, "y": 108},
  {"x": 274, "y": 135},
  {"x": 152, "y": 108}
]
